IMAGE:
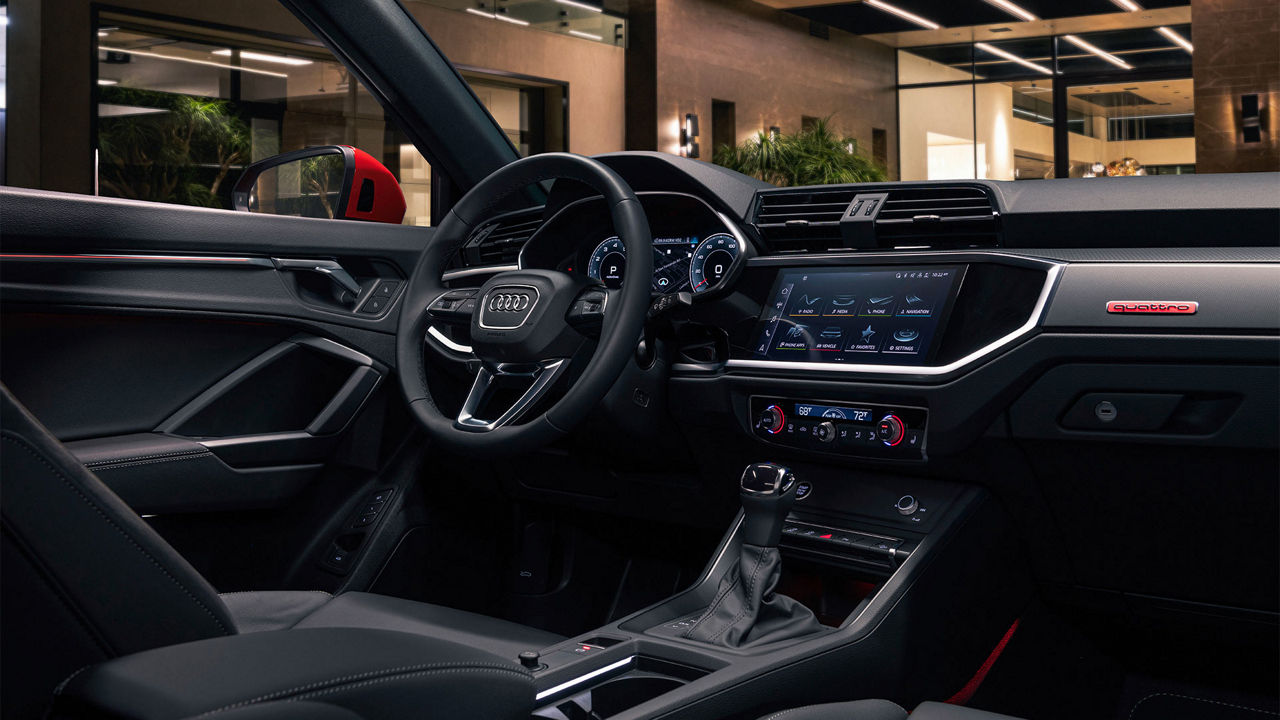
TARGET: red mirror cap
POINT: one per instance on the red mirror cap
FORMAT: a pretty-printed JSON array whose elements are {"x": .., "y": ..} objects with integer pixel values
[{"x": 374, "y": 194}]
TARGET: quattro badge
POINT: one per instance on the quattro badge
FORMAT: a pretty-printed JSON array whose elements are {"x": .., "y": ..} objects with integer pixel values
[{"x": 1153, "y": 307}]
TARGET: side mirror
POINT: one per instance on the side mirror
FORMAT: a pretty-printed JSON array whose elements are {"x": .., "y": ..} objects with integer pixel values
[{"x": 328, "y": 181}]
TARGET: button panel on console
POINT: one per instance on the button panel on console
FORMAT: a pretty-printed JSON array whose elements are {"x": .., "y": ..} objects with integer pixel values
[{"x": 870, "y": 430}]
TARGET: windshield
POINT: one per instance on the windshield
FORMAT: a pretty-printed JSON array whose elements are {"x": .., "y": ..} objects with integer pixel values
[{"x": 793, "y": 92}]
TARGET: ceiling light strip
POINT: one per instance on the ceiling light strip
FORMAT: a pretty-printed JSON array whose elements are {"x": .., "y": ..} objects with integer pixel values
[
  {"x": 1012, "y": 58},
  {"x": 1176, "y": 38},
  {"x": 1097, "y": 51},
  {"x": 193, "y": 61},
  {"x": 264, "y": 57},
  {"x": 586, "y": 35},
  {"x": 1014, "y": 10},
  {"x": 497, "y": 16},
  {"x": 905, "y": 15},
  {"x": 1129, "y": 5},
  {"x": 582, "y": 5}
]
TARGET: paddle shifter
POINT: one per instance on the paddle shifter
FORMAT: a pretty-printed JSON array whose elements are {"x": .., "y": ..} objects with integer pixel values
[{"x": 746, "y": 611}]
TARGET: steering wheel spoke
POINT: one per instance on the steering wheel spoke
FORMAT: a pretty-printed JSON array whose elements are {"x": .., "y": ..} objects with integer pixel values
[
  {"x": 454, "y": 307},
  {"x": 538, "y": 380}
]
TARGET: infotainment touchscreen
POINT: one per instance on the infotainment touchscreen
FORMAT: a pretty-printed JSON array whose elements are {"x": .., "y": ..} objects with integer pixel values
[{"x": 881, "y": 316}]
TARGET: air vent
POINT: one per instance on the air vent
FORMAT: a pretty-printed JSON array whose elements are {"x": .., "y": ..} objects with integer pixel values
[
  {"x": 499, "y": 242},
  {"x": 936, "y": 216},
  {"x": 924, "y": 216},
  {"x": 799, "y": 221}
]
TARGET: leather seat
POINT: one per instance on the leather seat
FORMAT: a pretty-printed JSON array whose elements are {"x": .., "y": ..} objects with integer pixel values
[
  {"x": 83, "y": 580},
  {"x": 883, "y": 710}
]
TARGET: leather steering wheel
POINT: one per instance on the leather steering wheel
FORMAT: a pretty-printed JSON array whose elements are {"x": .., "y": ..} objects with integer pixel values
[{"x": 521, "y": 329}]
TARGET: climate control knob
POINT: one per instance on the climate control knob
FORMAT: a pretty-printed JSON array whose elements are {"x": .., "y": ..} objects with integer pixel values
[
  {"x": 891, "y": 430},
  {"x": 824, "y": 431},
  {"x": 772, "y": 420}
]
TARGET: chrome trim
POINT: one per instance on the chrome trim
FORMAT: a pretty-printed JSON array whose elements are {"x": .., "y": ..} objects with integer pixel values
[
  {"x": 445, "y": 341},
  {"x": 483, "y": 305},
  {"x": 1033, "y": 321},
  {"x": 557, "y": 689},
  {"x": 247, "y": 262},
  {"x": 450, "y": 275},
  {"x": 542, "y": 376}
]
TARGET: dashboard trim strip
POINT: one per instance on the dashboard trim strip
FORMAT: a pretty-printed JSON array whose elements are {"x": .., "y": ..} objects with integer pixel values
[{"x": 1033, "y": 321}]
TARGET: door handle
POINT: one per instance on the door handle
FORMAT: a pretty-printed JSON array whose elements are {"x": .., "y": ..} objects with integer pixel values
[{"x": 332, "y": 269}]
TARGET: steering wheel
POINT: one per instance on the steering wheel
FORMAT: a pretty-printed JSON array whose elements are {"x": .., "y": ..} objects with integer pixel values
[{"x": 527, "y": 326}]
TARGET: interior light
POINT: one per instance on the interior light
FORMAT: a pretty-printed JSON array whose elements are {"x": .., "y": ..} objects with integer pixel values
[
  {"x": 1097, "y": 51},
  {"x": 108, "y": 81},
  {"x": 1013, "y": 10},
  {"x": 1013, "y": 58},
  {"x": 688, "y": 135},
  {"x": 909, "y": 16},
  {"x": 1176, "y": 38},
  {"x": 1129, "y": 5},
  {"x": 497, "y": 16},
  {"x": 586, "y": 35},
  {"x": 264, "y": 57},
  {"x": 582, "y": 5},
  {"x": 193, "y": 61}
]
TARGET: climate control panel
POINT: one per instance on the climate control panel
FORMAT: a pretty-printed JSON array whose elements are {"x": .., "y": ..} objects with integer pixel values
[{"x": 872, "y": 430}]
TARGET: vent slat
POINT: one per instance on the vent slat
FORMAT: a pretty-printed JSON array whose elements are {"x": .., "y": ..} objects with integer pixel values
[
  {"x": 500, "y": 243},
  {"x": 934, "y": 216}
]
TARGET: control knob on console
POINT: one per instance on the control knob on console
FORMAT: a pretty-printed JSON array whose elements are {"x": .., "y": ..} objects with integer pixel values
[
  {"x": 772, "y": 419},
  {"x": 891, "y": 430},
  {"x": 824, "y": 431}
]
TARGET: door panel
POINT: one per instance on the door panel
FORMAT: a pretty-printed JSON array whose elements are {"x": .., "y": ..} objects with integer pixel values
[{"x": 214, "y": 367}]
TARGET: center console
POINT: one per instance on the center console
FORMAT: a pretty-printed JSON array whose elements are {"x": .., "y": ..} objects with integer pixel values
[{"x": 883, "y": 567}]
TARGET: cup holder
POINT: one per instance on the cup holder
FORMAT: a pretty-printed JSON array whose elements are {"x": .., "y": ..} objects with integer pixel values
[{"x": 643, "y": 680}]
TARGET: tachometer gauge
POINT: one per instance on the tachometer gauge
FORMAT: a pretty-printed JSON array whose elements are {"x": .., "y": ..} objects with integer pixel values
[
  {"x": 608, "y": 262},
  {"x": 712, "y": 260}
]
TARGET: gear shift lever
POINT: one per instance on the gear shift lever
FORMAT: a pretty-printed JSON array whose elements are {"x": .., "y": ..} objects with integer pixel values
[
  {"x": 767, "y": 492},
  {"x": 746, "y": 610}
]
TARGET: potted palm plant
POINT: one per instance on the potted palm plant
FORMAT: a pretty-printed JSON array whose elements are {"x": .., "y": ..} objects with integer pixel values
[{"x": 816, "y": 155}]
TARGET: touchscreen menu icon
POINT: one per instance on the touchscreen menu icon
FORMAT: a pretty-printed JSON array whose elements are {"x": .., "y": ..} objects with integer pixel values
[
  {"x": 867, "y": 340},
  {"x": 829, "y": 339},
  {"x": 904, "y": 341},
  {"x": 807, "y": 305},
  {"x": 841, "y": 306},
  {"x": 795, "y": 337},
  {"x": 915, "y": 306},
  {"x": 878, "y": 306}
]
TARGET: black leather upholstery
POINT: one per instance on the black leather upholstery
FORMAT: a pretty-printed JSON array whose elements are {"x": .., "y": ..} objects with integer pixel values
[
  {"x": 365, "y": 610},
  {"x": 883, "y": 710},
  {"x": 288, "y": 710},
  {"x": 856, "y": 710},
  {"x": 746, "y": 610},
  {"x": 85, "y": 580},
  {"x": 282, "y": 610},
  {"x": 372, "y": 673}
]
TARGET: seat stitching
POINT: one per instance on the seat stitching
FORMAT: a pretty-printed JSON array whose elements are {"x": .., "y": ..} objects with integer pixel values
[
  {"x": 120, "y": 465},
  {"x": 711, "y": 610},
  {"x": 779, "y": 714},
  {"x": 1204, "y": 700},
  {"x": 131, "y": 458},
  {"x": 21, "y": 443},
  {"x": 255, "y": 592},
  {"x": 367, "y": 678}
]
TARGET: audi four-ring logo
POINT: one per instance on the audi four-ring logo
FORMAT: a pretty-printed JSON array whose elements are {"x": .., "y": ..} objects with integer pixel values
[{"x": 508, "y": 302}]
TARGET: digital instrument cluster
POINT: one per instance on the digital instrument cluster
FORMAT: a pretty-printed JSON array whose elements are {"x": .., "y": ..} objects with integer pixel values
[{"x": 684, "y": 262}]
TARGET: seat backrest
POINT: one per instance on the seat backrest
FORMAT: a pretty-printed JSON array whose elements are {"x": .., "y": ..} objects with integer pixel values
[{"x": 82, "y": 577}]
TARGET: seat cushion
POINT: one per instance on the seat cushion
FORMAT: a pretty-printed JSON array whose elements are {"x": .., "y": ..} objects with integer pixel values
[
  {"x": 257, "y": 611},
  {"x": 856, "y": 710}
]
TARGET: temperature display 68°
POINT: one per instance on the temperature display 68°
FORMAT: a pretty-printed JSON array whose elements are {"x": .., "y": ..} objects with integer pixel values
[{"x": 834, "y": 412}]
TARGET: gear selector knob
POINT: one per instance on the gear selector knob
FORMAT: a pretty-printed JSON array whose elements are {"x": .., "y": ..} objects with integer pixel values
[{"x": 768, "y": 491}]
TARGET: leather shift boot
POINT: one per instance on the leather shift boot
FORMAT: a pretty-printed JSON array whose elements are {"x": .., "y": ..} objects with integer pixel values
[{"x": 746, "y": 610}]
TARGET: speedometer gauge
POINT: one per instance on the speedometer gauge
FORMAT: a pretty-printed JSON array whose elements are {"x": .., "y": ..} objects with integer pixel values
[
  {"x": 608, "y": 262},
  {"x": 712, "y": 260}
]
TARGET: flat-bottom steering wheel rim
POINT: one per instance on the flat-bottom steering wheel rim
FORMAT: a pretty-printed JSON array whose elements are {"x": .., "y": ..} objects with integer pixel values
[{"x": 623, "y": 315}]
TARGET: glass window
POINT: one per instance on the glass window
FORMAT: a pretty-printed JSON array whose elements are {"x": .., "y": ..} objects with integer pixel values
[
  {"x": 1124, "y": 50},
  {"x": 1014, "y": 122},
  {"x": 939, "y": 64},
  {"x": 1134, "y": 127},
  {"x": 181, "y": 110},
  {"x": 935, "y": 129}
]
